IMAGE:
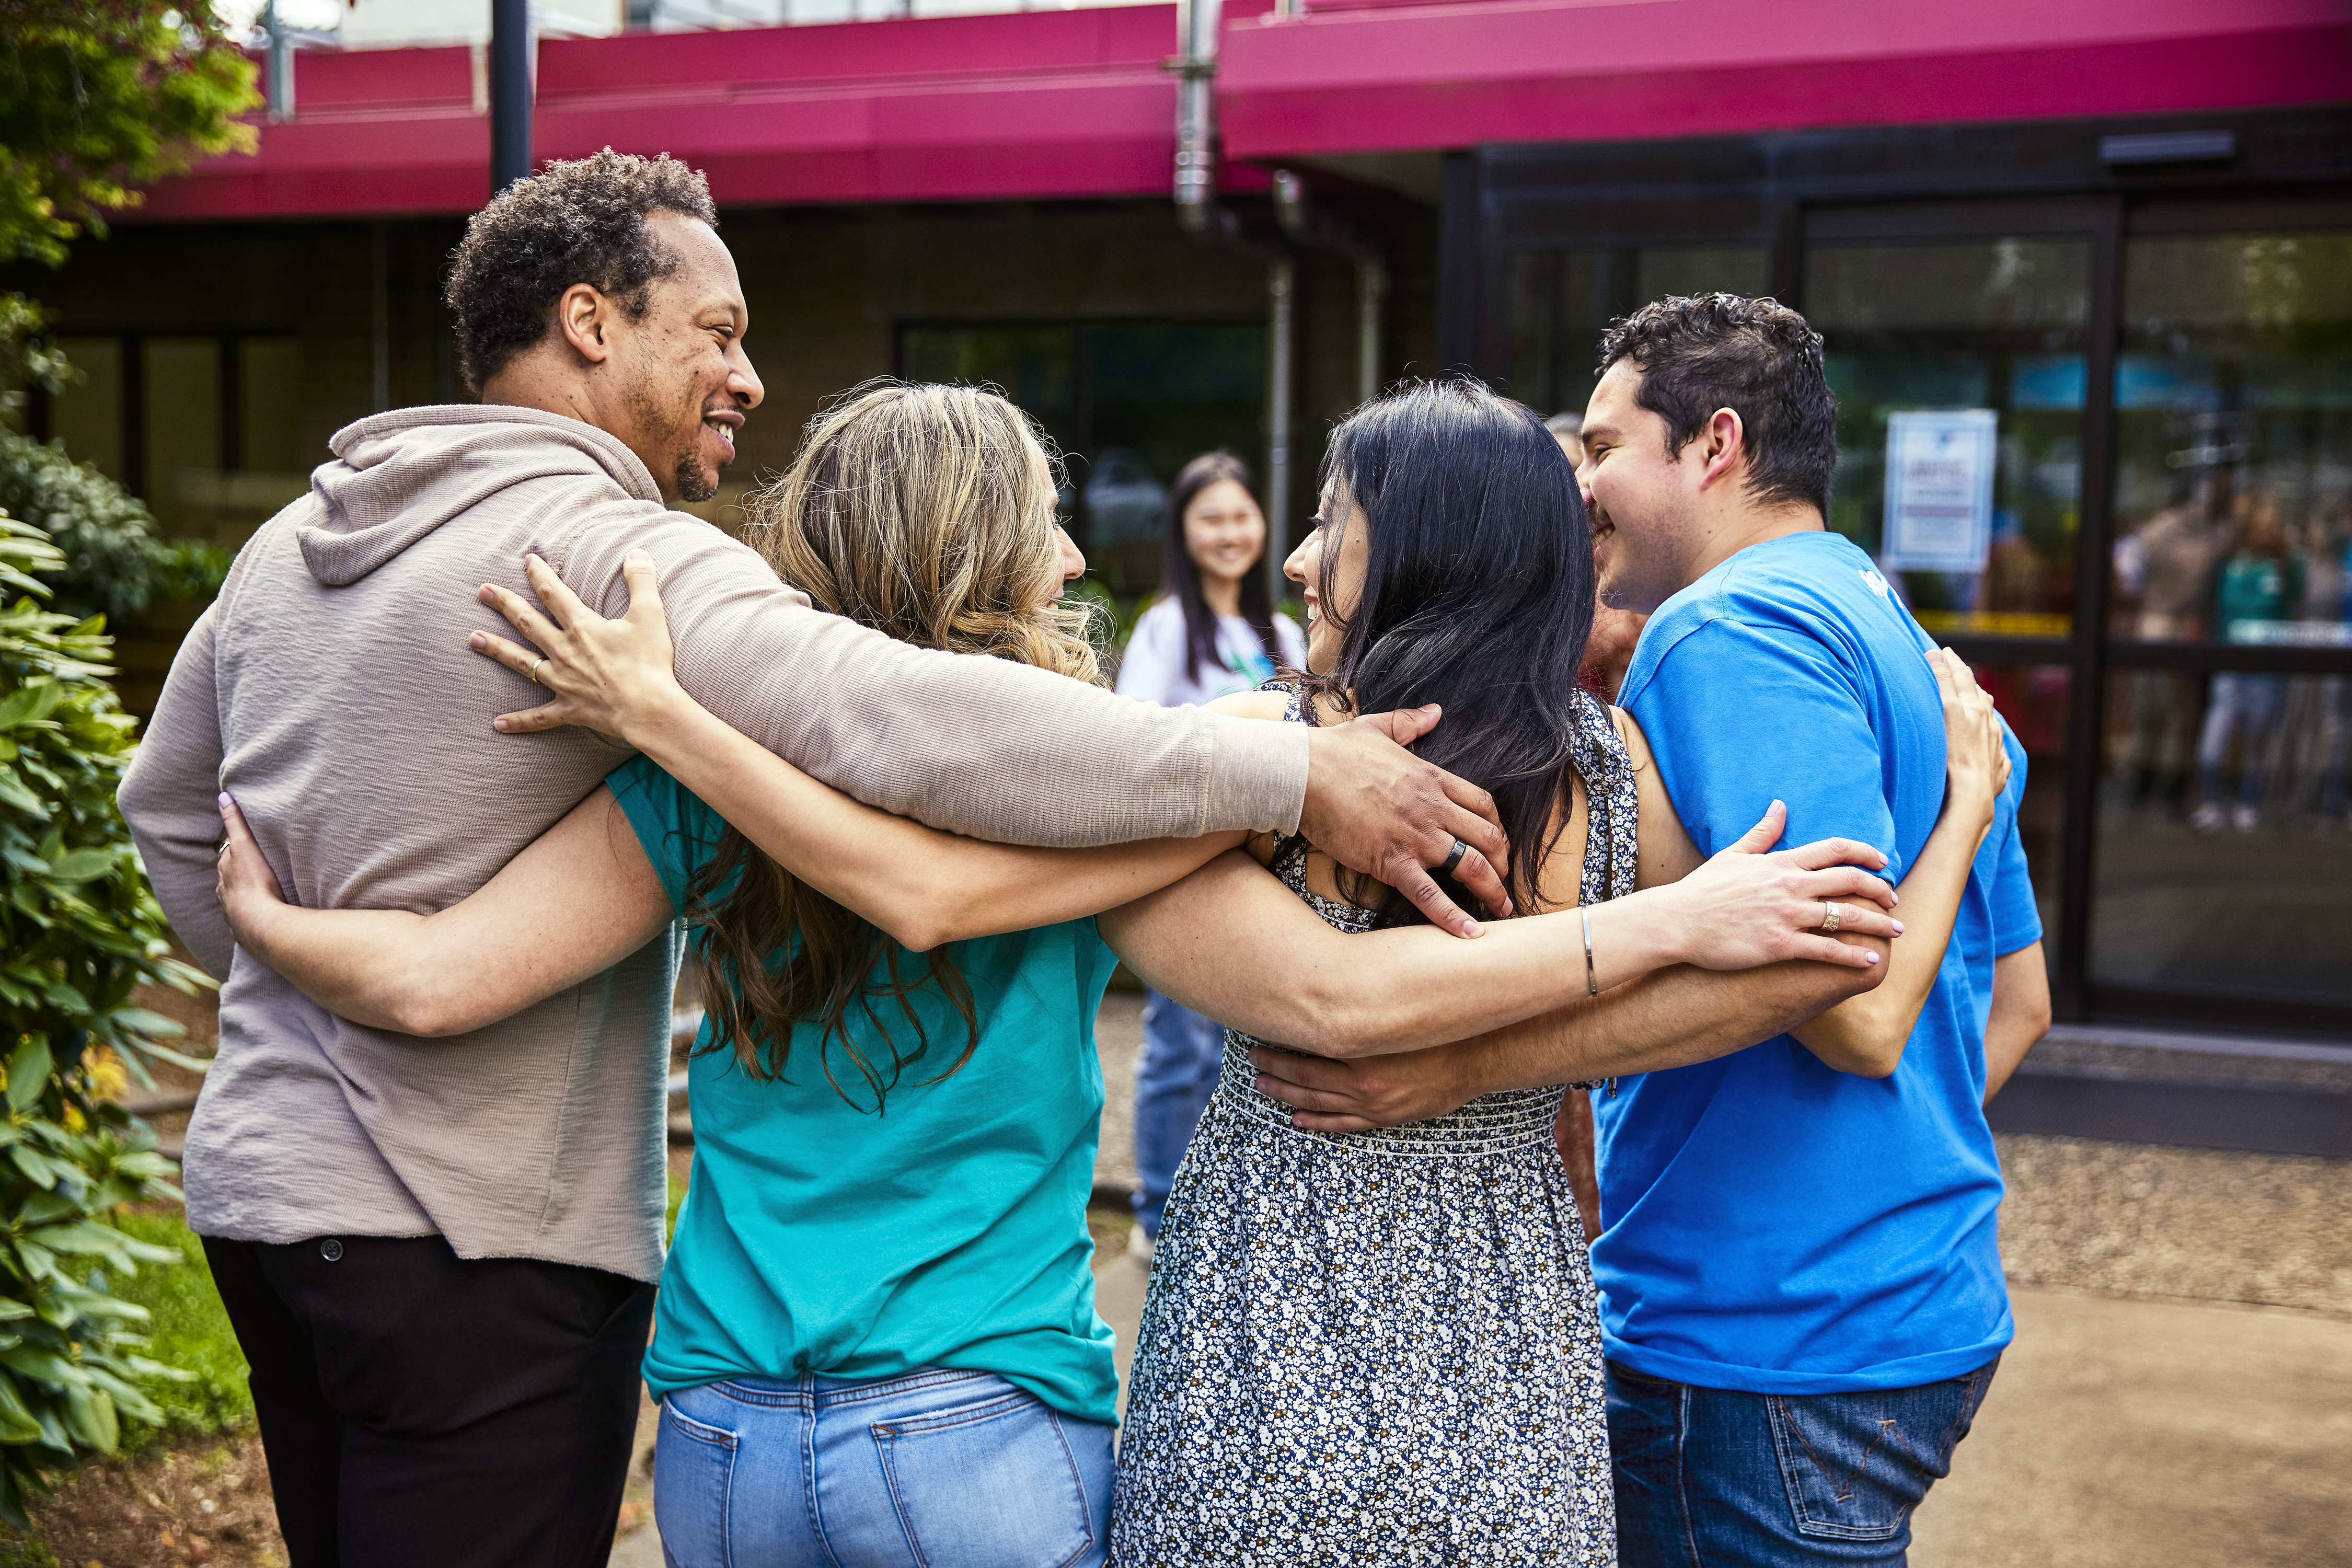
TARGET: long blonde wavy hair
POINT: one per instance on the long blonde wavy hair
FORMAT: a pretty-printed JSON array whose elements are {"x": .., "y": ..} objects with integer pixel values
[{"x": 927, "y": 512}]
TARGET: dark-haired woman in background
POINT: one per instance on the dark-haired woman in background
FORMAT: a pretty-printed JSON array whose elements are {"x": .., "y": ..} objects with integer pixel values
[
  {"x": 1213, "y": 632},
  {"x": 1385, "y": 1347}
]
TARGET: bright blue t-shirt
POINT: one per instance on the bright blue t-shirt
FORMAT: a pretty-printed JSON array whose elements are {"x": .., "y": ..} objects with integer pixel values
[
  {"x": 1772, "y": 1223},
  {"x": 948, "y": 1230}
]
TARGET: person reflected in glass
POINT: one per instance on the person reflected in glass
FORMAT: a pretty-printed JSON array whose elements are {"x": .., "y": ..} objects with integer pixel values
[
  {"x": 2260, "y": 585},
  {"x": 2164, "y": 576},
  {"x": 1213, "y": 632}
]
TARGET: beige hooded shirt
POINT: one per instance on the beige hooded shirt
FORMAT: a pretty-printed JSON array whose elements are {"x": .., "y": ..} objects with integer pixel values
[{"x": 331, "y": 690}]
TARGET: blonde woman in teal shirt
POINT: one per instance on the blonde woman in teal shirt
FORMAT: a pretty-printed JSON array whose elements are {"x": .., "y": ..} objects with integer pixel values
[{"x": 877, "y": 1340}]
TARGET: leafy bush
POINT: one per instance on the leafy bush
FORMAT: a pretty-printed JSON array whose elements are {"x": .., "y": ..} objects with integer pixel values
[
  {"x": 112, "y": 561},
  {"x": 187, "y": 1328},
  {"x": 80, "y": 931}
]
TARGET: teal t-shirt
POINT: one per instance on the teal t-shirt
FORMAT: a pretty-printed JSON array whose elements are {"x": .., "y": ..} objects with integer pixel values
[{"x": 949, "y": 1230}]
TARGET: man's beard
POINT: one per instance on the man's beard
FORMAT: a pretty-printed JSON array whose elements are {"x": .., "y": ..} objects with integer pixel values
[
  {"x": 686, "y": 472},
  {"x": 693, "y": 483}
]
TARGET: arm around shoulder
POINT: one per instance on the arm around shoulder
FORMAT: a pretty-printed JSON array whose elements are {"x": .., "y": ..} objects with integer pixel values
[{"x": 979, "y": 746}]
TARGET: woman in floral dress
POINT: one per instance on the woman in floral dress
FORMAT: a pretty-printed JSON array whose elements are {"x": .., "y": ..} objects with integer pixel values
[{"x": 1385, "y": 1347}]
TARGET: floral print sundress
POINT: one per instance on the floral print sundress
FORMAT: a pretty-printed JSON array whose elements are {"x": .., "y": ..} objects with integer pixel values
[{"x": 1379, "y": 1348}]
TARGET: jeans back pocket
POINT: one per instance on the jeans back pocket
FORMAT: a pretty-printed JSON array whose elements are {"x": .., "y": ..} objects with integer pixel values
[
  {"x": 1000, "y": 1483},
  {"x": 1855, "y": 1464},
  {"x": 694, "y": 1477}
]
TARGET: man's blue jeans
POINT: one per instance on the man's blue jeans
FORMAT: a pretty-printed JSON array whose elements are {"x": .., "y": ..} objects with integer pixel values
[
  {"x": 1182, "y": 1054},
  {"x": 934, "y": 1468},
  {"x": 1711, "y": 1478}
]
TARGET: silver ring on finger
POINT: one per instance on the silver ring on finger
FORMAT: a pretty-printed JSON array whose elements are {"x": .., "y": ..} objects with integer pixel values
[
  {"x": 1454, "y": 859},
  {"x": 534, "y": 670},
  {"x": 1832, "y": 916}
]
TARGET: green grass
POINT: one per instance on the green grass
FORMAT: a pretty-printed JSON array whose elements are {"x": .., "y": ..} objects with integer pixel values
[
  {"x": 670, "y": 1214},
  {"x": 188, "y": 1329}
]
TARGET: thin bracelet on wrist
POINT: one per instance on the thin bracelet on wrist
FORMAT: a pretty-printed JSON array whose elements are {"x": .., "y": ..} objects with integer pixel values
[{"x": 1591, "y": 977}]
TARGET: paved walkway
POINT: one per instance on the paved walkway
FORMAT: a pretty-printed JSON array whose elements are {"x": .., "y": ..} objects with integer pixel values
[{"x": 2143, "y": 1434}]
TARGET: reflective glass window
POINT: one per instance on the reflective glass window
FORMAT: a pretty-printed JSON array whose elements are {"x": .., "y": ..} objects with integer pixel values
[
  {"x": 1958, "y": 368},
  {"x": 181, "y": 381},
  {"x": 88, "y": 415},
  {"x": 1127, "y": 406},
  {"x": 2233, "y": 425},
  {"x": 1557, "y": 303},
  {"x": 2222, "y": 862}
]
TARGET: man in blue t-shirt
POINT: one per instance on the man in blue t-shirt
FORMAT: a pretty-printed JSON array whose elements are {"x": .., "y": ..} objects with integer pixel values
[{"x": 1801, "y": 1291}]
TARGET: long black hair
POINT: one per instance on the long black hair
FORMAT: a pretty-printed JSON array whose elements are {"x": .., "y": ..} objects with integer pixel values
[
  {"x": 1180, "y": 575},
  {"x": 1479, "y": 594}
]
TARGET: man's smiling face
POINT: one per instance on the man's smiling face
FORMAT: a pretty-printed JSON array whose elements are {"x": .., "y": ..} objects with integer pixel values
[
  {"x": 687, "y": 383},
  {"x": 1643, "y": 500}
]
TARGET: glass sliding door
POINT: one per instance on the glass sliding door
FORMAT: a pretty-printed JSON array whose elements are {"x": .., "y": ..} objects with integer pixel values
[
  {"x": 1960, "y": 372},
  {"x": 2224, "y": 863}
]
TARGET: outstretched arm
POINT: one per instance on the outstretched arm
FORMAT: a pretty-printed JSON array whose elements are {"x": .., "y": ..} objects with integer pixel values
[
  {"x": 987, "y": 747},
  {"x": 577, "y": 900},
  {"x": 1669, "y": 1019},
  {"x": 1865, "y": 1035},
  {"x": 1231, "y": 942},
  {"x": 583, "y": 896}
]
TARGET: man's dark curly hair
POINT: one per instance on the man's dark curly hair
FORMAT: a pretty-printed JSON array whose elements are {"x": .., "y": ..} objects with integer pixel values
[
  {"x": 579, "y": 222},
  {"x": 1759, "y": 358}
]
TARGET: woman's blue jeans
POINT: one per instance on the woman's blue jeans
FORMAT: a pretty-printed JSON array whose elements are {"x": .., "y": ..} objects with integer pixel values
[
  {"x": 949, "y": 1470},
  {"x": 1182, "y": 1054},
  {"x": 1713, "y": 1478}
]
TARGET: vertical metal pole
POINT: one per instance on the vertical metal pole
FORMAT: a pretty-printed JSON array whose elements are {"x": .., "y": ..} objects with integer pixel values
[
  {"x": 1461, "y": 263},
  {"x": 509, "y": 92},
  {"x": 281, "y": 66},
  {"x": 380, "y": 303},
  {"x": 1196, "y": 152},
  {"x": 1281, "y": 285},
  {"x": 2087, "y": 693},
  {"x": 1371, "y": 304}
]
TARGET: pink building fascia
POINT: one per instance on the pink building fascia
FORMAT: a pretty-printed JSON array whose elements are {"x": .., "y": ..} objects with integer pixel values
[{"x": 1079, "y": 104}]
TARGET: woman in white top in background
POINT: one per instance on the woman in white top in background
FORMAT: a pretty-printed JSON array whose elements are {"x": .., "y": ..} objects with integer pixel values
[{"x": 1213, "y": 632}]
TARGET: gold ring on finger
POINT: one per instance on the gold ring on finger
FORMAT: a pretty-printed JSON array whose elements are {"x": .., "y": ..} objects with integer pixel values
[
  {"x": 1832, "y": 916},
  {"x": 534, "y": 670}
]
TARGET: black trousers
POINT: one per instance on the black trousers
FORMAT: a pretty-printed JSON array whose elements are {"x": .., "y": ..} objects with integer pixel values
[{"x": 417, "y": 1407}]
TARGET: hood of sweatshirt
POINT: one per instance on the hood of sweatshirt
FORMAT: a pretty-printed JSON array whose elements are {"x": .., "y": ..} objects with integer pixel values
[{"x": 398, "y": 476}]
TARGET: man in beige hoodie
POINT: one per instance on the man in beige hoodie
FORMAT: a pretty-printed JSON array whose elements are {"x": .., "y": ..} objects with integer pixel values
[{"x": 439, "y": 1254}]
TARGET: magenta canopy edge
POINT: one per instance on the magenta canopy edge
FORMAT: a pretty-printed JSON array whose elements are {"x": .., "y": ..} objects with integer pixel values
[{"x": 1072, "y": 104}]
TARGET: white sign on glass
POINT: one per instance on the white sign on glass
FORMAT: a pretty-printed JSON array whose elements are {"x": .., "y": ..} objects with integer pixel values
[{"x": 1939, "y": 467}]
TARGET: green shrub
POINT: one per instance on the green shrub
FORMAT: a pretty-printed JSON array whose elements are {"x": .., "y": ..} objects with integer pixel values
[
  {"x": 187, "y": 1328},
  {"x": 80, "y": 931},
  {"x": 112, "y": 561}
]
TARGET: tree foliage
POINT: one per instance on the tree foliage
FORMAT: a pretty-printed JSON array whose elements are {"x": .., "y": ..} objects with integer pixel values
[
  {"x": 79, "y": 932},
  {"x": 101, "y": 97}
]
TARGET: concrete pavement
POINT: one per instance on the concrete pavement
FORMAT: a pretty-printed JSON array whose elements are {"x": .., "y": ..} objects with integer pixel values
[{"x": 2145, "y": 1434}]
